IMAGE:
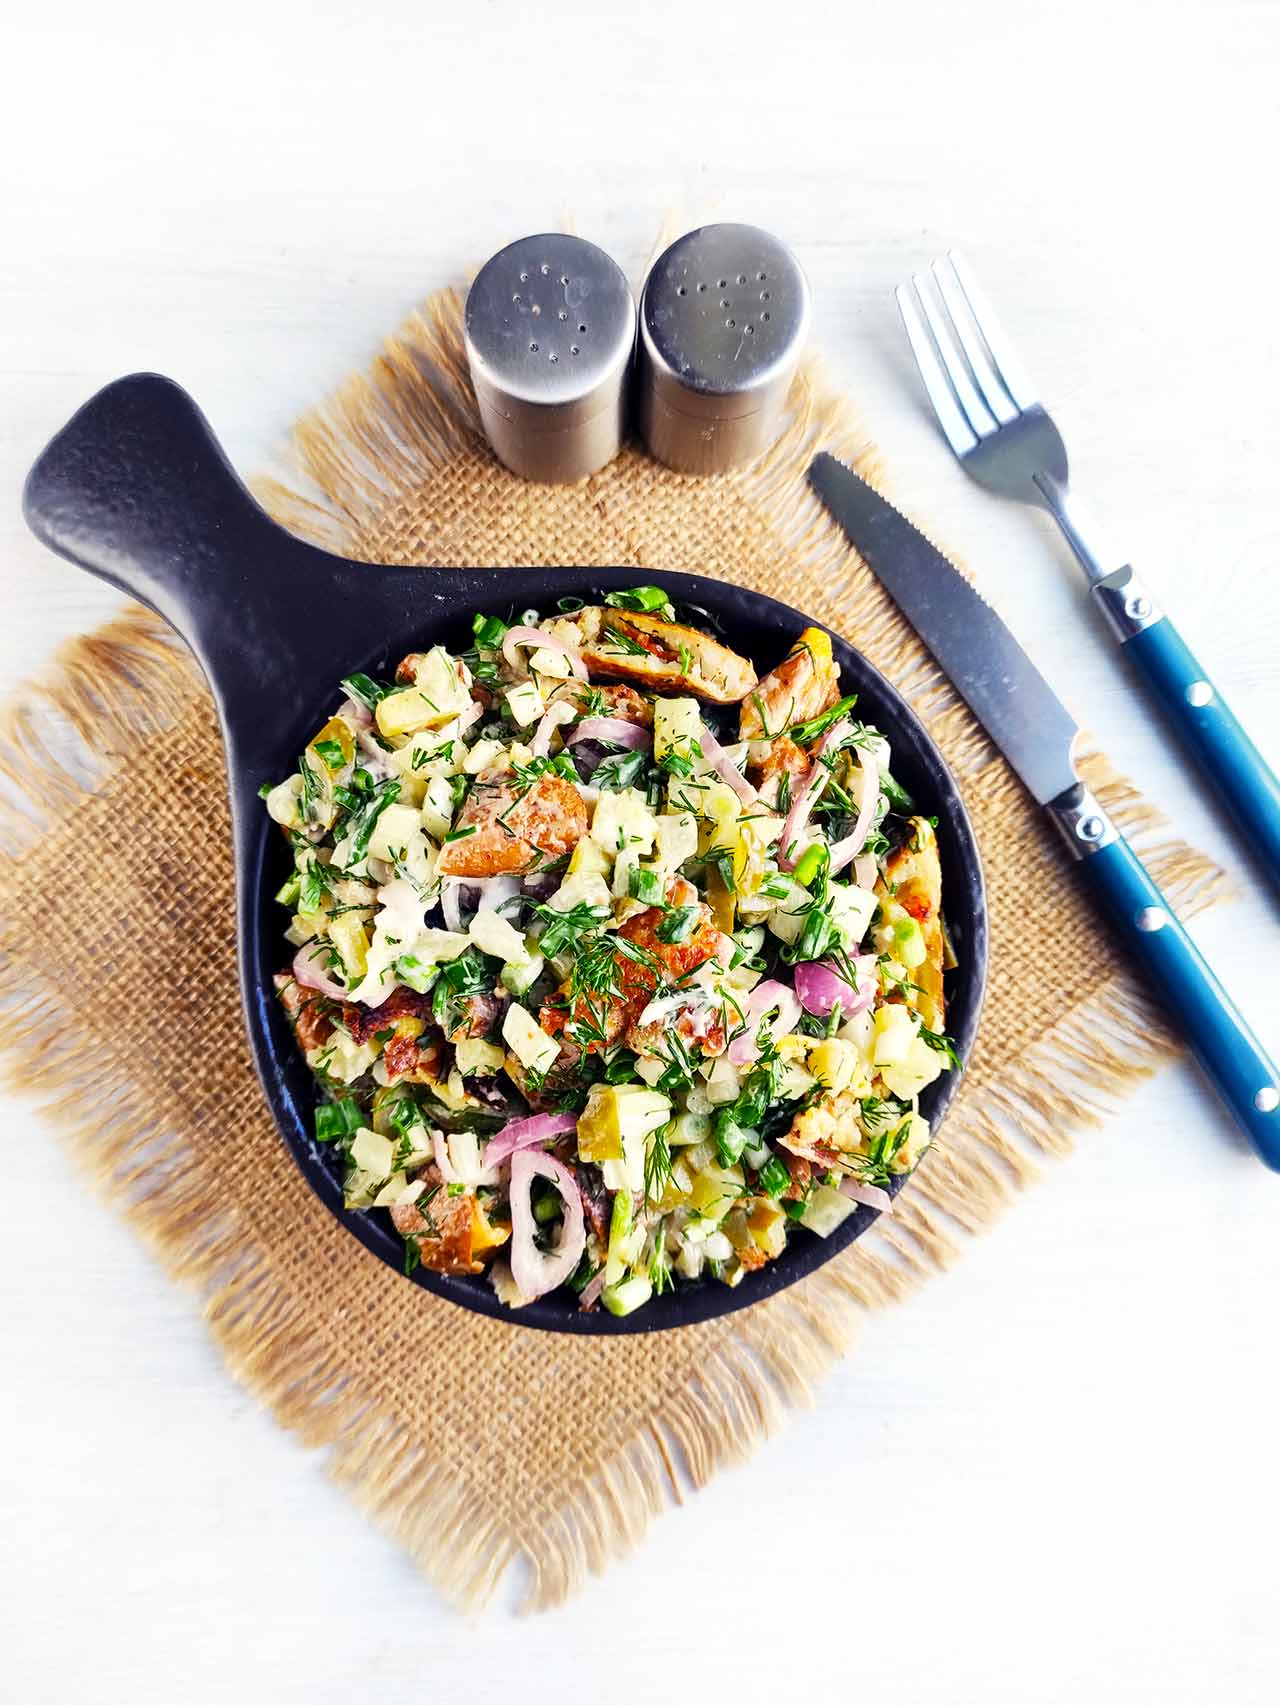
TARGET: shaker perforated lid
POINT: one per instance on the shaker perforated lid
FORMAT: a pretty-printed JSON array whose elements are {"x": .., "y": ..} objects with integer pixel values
[
  {"x": 550, "y": 331},
  {"x": 723, "y": 318}
]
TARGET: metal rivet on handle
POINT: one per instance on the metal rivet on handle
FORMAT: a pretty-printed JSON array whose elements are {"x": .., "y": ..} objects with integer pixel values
[
  {"x": 1199, "y": 693},
  {"x": 1268, "y": 1099},
  {"x": 1151, "y": 918},
  {"x": 1090, "y": 828},
  {"x": 1138, "y": 608}
]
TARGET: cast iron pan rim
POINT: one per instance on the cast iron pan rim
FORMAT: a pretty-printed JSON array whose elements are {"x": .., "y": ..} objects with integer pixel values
[
  {"x": 137, "y": 490},
  {"x": 280, "y": 1062}
]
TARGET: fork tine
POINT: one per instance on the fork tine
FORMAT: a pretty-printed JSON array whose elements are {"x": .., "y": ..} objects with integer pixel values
[
  {"x": 980, "y": 416},
  {"x": 968, "y": 331},
  {"x": 958, "y": 432},
  {"x": 1013, "y": 376}
]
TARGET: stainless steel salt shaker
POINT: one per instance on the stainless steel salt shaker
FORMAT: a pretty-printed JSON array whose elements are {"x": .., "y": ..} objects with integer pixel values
[
  {"x": 723, "y": 318},
  {"x": 550, "y": 332}
]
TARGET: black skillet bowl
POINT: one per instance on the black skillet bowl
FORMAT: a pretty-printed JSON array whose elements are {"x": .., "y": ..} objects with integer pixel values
[{"x": 136, "y": 490}]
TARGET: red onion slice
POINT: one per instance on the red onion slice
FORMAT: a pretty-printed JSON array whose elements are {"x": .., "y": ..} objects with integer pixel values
[
  {"x": 864, "y": 871},
  {"x": 353, "y": 712},
  {"x": 820, "y": 987},
  {"x": 844, "y": 851},
  {"x": 555, "y": 716},
  {"x": 308, "y": 972},
  {"x": 495, "y": 891},
  {"x": 725, "y": 767},
  {"x": 470, "y": 716},
  {"x": 614, "y": 729},
  {"x": 451, "y": 904},
  {"x": 591, "y": 1291},
  {"x": 522, "y": 1133},
  {"x": 372, "y": 756},
  {"x": 491, "y": 892},
  {"x": 809, "y": 794},
  {"x": 535, "y": 1273},
  {"x": 870, "y": 1195},
  {"x": 744, "y": 1049},
  {"x": 514, "y": 638}
]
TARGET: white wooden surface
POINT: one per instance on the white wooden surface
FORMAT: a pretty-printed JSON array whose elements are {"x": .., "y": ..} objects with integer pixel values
[{"x": 1052, "y": 1476}]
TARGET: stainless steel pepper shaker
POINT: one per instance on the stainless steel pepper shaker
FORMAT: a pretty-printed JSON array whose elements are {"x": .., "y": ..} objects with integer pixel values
[
  {"x": 550, "y": 333},
  {"x": 723, "y": 319}
]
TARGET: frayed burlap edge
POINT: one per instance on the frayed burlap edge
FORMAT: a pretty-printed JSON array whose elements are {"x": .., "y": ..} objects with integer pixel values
[{"x": 382, "y": 437}]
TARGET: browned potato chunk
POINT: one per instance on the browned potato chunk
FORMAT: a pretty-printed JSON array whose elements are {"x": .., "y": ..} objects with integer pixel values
[
  {"x": 622, "y": 702},
  {"x": 781, "y": 758},
  {"x": 826, "y": 1130},
  {"x": 656, "y": 654},
  {"x": 443, "y": 1227},
  {"x": 503, "y": 829},
  {"x": 804, "y": 684},
  {"x": 913, "y": 877}
]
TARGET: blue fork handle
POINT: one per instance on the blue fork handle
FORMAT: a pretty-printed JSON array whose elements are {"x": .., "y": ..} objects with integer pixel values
[
  {"x": 1199, "y": 714},
  {"x": 1230, "y": 1054}
]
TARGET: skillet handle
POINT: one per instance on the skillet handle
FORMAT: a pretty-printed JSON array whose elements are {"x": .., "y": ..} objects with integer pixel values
[{"x": 137, "y": 490}]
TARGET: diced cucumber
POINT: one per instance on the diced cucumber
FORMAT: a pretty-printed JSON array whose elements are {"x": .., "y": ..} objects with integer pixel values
[
  {"x": 411, "y": 971},
  {"x": 825, "y": 1209},
  {"x": 619, "y": 1229},
  {"x": 519, "y": 979}
]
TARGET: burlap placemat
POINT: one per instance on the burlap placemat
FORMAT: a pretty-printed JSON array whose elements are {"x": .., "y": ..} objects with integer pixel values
[{"x": 476, "y": 1443}]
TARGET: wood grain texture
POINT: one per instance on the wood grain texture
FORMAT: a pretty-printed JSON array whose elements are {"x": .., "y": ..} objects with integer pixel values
[{"x": 1050, "y": 1476}]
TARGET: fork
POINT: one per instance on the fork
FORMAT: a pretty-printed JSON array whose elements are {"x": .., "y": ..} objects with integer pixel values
[{"x": 1003, "y": 435}]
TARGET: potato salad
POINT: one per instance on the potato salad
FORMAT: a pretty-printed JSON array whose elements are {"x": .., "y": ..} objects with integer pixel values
[{"x": 617, "y": 965}]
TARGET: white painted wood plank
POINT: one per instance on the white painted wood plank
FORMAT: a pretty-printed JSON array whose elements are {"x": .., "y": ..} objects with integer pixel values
[{"x": 1048, "y": 1477}]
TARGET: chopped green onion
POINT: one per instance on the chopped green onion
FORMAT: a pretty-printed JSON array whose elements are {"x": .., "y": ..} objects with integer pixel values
[
  {"x": 679, "y": 924},
  {"x": 414, "y": 974},
  {"x": 365, "y": 691},
  {"x": 340, "y": 1118},
  {"x": 899, "y": 799},
  {"x": 645, "y": 885},
  {"x": 547, "y": 1207},
  {"x": 490, "y": 631},
  {"x": 645, "y": 598},
  {"x": 774, "y": 1177},
  {"x": 812, "y": 860},
  {"x": 404, "y": 1116},
  {"x": 289, "y": 892},
  {"x": 731, "y": 1138},
  {"x": 803, "y": 732},
  {"x": 331, "y": 752},
  {"x": 615, "y": 773},
  {"x": 366, "y": 820},
  {"x": 676, "y": 764}
]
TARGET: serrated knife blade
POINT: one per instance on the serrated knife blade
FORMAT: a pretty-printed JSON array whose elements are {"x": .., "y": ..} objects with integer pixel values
[
  {"x": 1026, "y": 720},
  {"x": 984, "y": 662}
]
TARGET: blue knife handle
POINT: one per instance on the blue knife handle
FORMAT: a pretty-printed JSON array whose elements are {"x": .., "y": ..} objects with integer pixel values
[
  {"x": 1198, "y": 713},
  {"x": 1176, "y": 972}
]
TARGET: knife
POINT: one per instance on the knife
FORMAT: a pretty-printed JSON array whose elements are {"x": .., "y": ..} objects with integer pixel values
[{"x": 1026, "y": 720}]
